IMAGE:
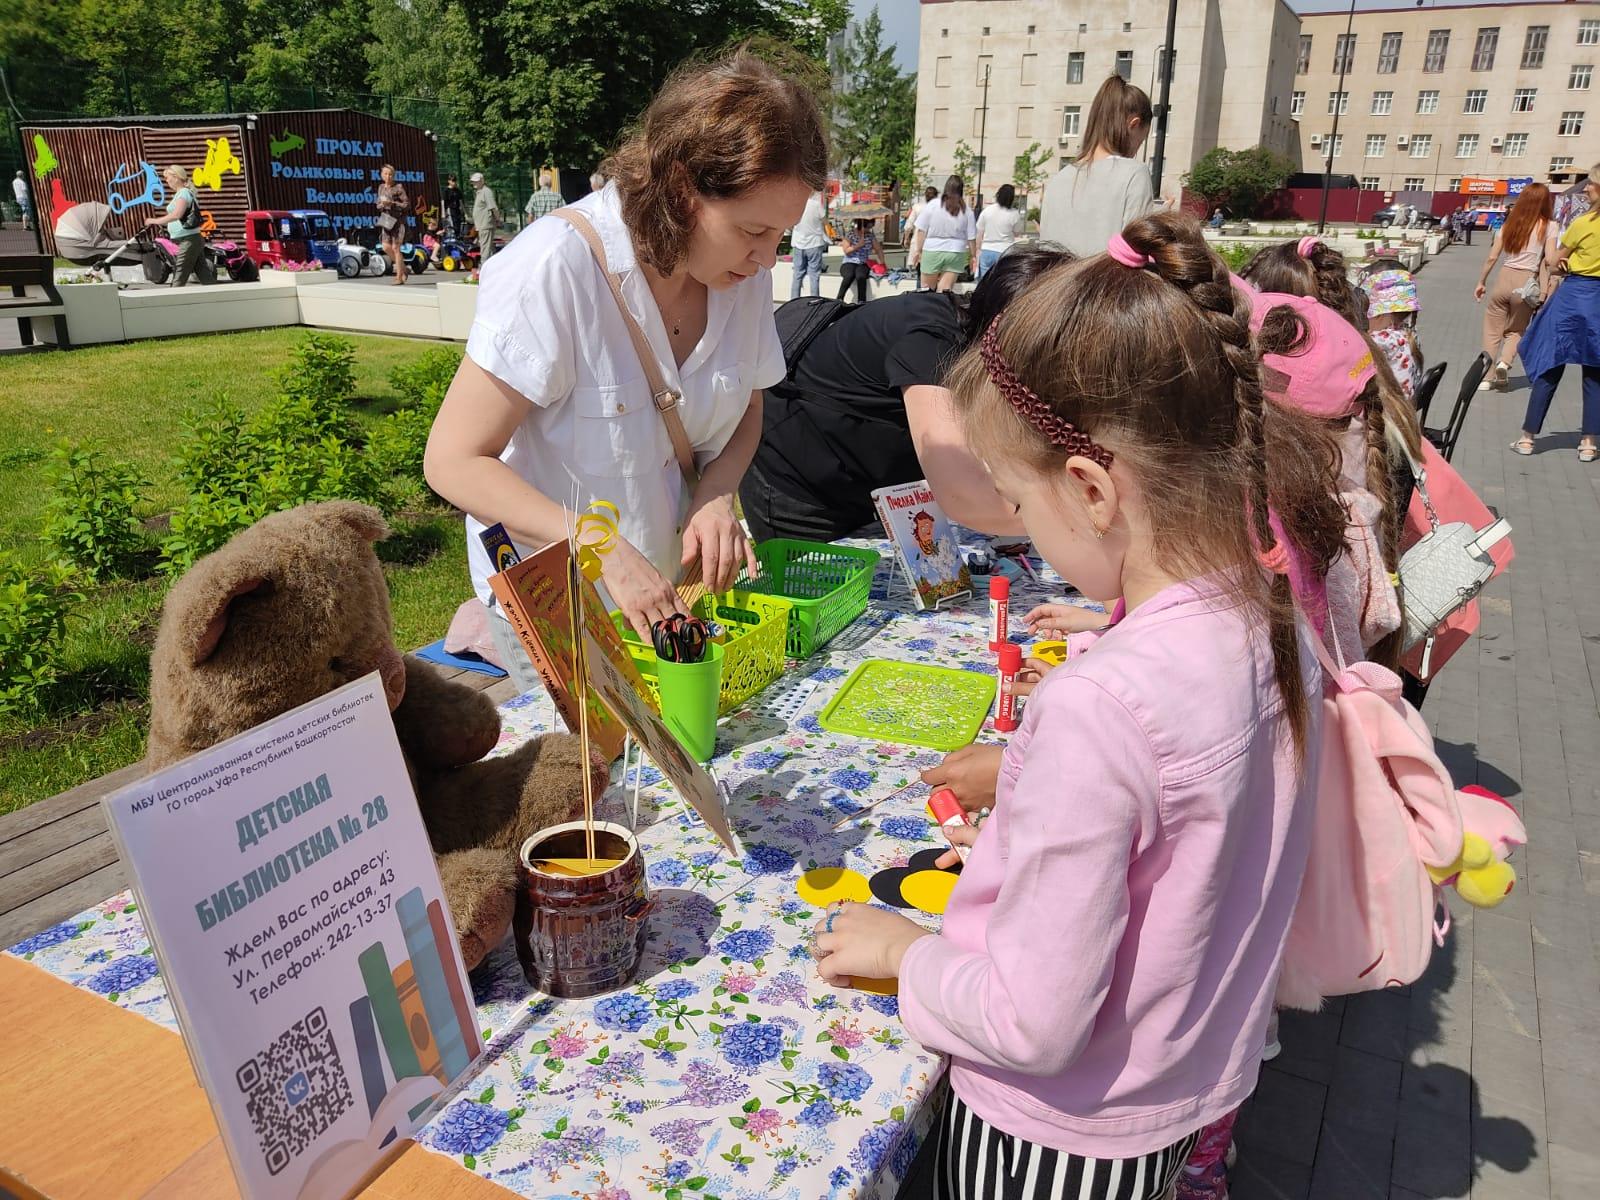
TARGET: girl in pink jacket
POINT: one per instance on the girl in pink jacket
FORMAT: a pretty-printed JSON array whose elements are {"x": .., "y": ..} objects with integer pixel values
[{"x": 1105, "y": 970}]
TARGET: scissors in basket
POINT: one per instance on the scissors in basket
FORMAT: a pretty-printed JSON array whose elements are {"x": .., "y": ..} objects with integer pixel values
[{"x": 680, "y": 639}]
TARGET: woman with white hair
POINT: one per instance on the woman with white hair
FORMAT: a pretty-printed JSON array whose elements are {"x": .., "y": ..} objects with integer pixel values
[{"x": 182, "y": 220}]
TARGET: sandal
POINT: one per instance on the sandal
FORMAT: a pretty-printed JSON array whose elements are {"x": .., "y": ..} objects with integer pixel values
[
  {"x": 1523, "y": 446},
  {"x": 1587, "y": 454}
]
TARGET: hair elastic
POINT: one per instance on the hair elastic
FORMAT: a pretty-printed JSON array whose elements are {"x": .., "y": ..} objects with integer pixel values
[
  {"x": 1306, "y": 245},
  {"x": 1118, "y": 248},
  {"x": 1056, "y": 429}
]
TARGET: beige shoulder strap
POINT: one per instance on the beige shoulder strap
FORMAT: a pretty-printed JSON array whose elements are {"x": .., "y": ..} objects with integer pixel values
[{"x": 666, "y": 399}]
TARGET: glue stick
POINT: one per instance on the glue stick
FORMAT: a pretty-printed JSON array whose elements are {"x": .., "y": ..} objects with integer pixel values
[
  {"x": 999, "y": 611},
  {"x": 947, "y": 810},
  {"x": 1005, "y": 716}
]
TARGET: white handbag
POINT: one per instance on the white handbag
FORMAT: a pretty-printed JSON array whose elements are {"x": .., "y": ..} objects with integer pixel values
[{"x": 1443, "y": 572}]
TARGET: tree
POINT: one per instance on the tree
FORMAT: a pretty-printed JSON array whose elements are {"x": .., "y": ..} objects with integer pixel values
[
  {"x": 1027, "y": 171},
  {"x": 1238, "y": 180},
  {"x": 965, "y": 164},
  {"x": 874, "y": 106}
]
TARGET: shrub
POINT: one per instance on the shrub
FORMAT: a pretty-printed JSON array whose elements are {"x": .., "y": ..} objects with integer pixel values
[
  {"x": 423, "y": 382},
  {"x": 93, "y": 518},
  {"x": 1235, "y": 254},
  {"x": 395, "y": 447},
  {"x": 322, "y": 370},
  {"x": 33, "y": 618}
]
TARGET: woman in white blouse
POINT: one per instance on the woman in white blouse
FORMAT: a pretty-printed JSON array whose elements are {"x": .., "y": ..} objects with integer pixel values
[
  {"x": 551, "y": 399},
  {"x": 946, "y": 240}
]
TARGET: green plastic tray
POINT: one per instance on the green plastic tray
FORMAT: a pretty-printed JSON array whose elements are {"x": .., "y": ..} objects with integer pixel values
[
  {"x": 827, "y": 587},
  {"x": 911, "y": 704}
]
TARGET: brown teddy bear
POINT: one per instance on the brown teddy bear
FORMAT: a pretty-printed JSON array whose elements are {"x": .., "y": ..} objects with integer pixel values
[{"x": 296, "y": 606}]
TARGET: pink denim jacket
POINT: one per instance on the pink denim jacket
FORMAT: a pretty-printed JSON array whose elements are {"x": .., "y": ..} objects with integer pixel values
[{"x": 1106, "y": 968}]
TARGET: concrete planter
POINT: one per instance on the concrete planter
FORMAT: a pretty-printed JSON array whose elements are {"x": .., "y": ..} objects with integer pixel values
[
  {"x": 174, "y": 312},
  {"x": 299, "y": 278},
  {"x": 94, "y": 315},
  {"x": 458, "y": 304},
  {"x": 405, "y": 312}
]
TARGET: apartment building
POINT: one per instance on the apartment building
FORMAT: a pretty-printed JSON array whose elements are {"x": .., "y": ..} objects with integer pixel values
[
  {"x": 1044, "y": 59},
  {"x": 1470, "y": 99}
]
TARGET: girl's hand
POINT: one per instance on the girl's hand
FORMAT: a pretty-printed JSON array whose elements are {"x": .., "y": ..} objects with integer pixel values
[
  {"x": 1477, "y": 292},
  {"x": 643, "y": 593},
  {"x": 1032, "y": 674},
  {"x": 972, "y": 773},
  {"x": 866, "y": 942},
  {"x": 714, "y": 536},
  {"x": 957, "y": 835},
  {"x": 1057, "y": 621}
]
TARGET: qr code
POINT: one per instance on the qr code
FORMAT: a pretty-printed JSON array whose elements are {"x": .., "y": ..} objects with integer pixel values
[{"x": 295, "y": 1089}]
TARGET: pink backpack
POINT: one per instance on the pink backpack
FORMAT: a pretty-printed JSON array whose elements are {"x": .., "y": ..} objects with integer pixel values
[{"x": 1386, "y": 812}]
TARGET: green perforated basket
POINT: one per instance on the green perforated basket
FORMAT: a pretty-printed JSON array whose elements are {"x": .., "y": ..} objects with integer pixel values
[
  {"x": 826, "y": 585},
  {"x": 911, "y": 704},
  {"x": 752, "y": 655}
]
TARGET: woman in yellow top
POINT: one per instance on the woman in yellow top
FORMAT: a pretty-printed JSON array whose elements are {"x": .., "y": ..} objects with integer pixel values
[{"x": 1566, "y": 329}]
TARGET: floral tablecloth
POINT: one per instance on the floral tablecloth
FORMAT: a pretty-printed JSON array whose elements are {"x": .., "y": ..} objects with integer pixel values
[{"x": 729, "y": 1070}]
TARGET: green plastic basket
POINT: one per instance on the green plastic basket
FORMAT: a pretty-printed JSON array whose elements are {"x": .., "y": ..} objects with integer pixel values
[
  {"x": 911, "y": 704},
  {"x": 826, "y": 585},
  {"x": 752, "y": 655}
]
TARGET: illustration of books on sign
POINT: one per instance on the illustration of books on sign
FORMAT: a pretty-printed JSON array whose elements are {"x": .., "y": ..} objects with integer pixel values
[{"x": 924, "y": 543}]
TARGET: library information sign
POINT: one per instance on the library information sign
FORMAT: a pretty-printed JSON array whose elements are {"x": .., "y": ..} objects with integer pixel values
[{"x": 288, "y": 887}]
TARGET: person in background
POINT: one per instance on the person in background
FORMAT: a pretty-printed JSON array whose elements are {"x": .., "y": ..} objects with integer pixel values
[
  {"x": 597, "y": 182},
  {"x": 19, "y": 186},
  {"x": 544, "y": 201},
  {"x": 1392, "y": 311},
  {"x": 1566, "y": 329},
  {"x": 1092, "y": 198},
  {"x": 431, "y": 242},
  {"x": 999, "y": 226},
  {"x": 1529, "y": 241},
  {"x": 485, "y": 215},
  {"x": 808, "y": 242},
  {"x": 188, "y": 240},
  {"x": 860, "y": 248},
  {"x": 1217, "y": 218},
  {"x": 946, "y": 242},
  {"x": 450, "y": 197},
  {"x": 929, "y": 195},
  {"x": 865, "y": 407},
  {"x": 392, "y": 204}
]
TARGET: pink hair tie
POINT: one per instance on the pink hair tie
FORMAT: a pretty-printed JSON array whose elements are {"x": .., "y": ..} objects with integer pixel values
[
  {"x": 1117, "y": 247},
  {"x": 1306, "y": 246}
]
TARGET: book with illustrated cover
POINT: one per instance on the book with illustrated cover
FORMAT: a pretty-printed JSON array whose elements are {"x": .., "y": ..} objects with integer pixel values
[{"x": 924, "y": 543}]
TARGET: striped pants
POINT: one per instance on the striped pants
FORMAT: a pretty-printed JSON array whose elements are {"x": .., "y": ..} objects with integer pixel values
[{"x": 978, "y": 1162}]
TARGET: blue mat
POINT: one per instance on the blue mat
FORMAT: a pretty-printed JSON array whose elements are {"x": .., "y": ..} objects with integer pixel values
[{"x": 436, "y": 653}]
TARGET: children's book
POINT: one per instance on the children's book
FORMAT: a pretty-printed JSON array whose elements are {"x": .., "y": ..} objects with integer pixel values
[{"x": 924, "y": 543}]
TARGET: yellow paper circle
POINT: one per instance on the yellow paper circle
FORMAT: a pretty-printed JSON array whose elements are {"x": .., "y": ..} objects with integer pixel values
[
  {"x": 928, "y": 890},
  {"x": 824, "y": 885}
]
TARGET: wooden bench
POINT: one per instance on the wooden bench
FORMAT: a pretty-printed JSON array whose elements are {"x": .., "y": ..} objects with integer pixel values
[
  {"x": 57, "y": 857},
  {"x": 28, "y": 293}
]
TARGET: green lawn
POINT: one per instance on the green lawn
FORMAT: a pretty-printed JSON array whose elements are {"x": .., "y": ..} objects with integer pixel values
[{"x": 129, "y": 401}]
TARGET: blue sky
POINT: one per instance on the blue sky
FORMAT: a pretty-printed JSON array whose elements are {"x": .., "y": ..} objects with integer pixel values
[{"x": 900, "y": 19}]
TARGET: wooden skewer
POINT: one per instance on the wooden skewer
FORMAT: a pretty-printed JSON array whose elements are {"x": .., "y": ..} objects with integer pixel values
[{"x": 861, "y": 812}]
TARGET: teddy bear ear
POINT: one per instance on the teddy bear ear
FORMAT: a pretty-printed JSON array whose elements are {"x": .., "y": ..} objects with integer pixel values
[
  {"x": 365, "y": 520},
  {"x": 208, "y": 633}
]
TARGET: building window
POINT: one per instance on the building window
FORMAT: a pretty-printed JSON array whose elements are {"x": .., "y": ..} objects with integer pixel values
[
  {"x": 1381, "y": 103},
  {"x": 1389, "y": 54},
  {"x": 1455, "y": 184},
  {"x": 1483, "y": 49},
  {"x": 941, "y": 122},
  {"x": 1024, "y": 122},
  {"x": 1071, "y": 120},
  {"x": 1438, "y": 47},
  {"x": 1344, "y": 52},
  {"x": 985, "y": 64},
  {"x": 1303, "y": 63},
  {"x": 1125, "y": 63},
  {"x": 1297, "y": 103},
  {"x": 1427, "y": 102},
  {"x": 1477, "y": 100},
  {"x": 1522, "y": 99},
  {"x": 1075, "y": 67},
  {"x": 1161, "y": 66},
  {"x": 1588, "y": 33},
  {"x": 1421, "y": 145},
  {"x": 1533, "y": 47},
  {"x": 1083, "y": 27},
  {"x": 1030, "y": 69},
  {"x": 1369, "y": 183},
  {"x": 1561, "y": 164},
  {"x": 1466, "y": 145},
  {"x": 1375, "y": 143},
  {"x": 1127, "y": 27},
  {"x": 1030, "y": 30},
  {"x": 1335, "y": 145},
  {"x": 1571, "y": 124},
  {"x": 1339, "y": 100},
  {"x": 1274, "y": 106},
  {"x": 1413, "y": 183},
  {"x": 1516, "y": 145},
  {"x": 1578, "y": 77},
  {"x": 941, "y": 71},
  {"x": 985, "y": 31}
]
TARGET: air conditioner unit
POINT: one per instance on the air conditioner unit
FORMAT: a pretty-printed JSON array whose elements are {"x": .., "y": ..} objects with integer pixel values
[
  {"x": 1065, "y": 138},
  {"x": 1496, "y": 143},
  {"x": 1402, "y": 142},
  {"x": 1316, "y": 139}
]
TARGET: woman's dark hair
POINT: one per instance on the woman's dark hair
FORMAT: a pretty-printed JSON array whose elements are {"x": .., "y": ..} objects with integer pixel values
[
  {"x": 1116, "y": 107},
  {"x": 1004, "y": 282},
  {"x": 929, "y": 194},
  {"x": 714, "y": 130},
  {"x": 953, "y": 200},
  {"x": 1005, "y": 195},
  {"x": 1158, "y": 366}
]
